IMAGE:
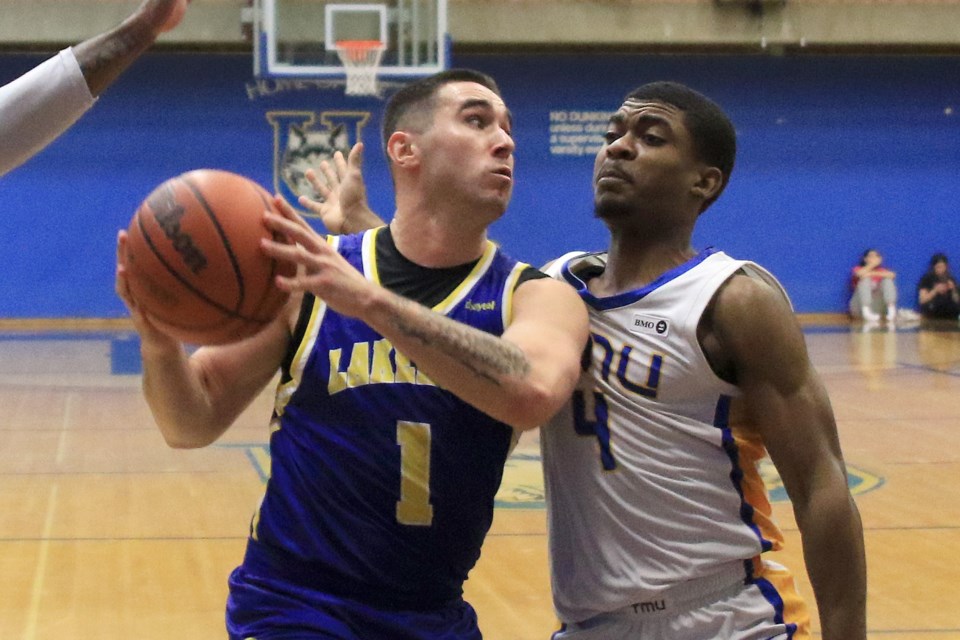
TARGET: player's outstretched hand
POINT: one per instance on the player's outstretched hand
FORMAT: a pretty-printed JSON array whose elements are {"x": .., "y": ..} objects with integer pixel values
[
  {"x": 161, "y": 15},
  {"x": 343, "y": 205}
]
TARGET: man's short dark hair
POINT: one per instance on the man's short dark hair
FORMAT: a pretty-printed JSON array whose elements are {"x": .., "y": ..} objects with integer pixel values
[
  {"x": 713, "y": 134},
  {"x": 412, "y": 106}
]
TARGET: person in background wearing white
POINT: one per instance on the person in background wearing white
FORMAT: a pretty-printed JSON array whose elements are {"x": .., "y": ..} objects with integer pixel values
[{"x": 874, "y": 289}]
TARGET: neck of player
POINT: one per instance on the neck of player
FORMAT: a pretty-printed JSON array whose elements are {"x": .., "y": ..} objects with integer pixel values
[{"x": 637, "y": 259}]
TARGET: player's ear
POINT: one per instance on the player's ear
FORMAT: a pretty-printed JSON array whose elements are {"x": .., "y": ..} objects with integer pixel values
[
  {"x": 709, "y": 183},
  {"x": 402, "y": 149}
]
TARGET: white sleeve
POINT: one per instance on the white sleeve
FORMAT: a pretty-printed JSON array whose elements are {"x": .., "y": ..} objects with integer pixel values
[{"x": 39, "y": 106}]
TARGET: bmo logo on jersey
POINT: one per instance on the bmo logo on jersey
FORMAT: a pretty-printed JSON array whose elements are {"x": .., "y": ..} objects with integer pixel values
[{"x": 650, "y": 325}]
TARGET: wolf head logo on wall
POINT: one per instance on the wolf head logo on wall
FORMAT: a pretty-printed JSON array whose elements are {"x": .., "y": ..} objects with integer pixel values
[{"x": 302, "y": 139}]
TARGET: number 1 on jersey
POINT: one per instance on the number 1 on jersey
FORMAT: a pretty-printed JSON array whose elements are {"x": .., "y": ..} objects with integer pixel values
[{"x": 414, "y": 506}]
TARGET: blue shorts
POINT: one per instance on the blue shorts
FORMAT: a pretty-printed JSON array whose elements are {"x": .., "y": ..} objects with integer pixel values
[{"x": 260, "y": 609}]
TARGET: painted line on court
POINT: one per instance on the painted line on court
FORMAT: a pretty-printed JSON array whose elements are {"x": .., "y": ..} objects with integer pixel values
[{"x": 33, "y": 609}]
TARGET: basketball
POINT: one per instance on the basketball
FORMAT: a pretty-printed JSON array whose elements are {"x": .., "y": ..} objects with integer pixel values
[{"x": 194, "y": 260}]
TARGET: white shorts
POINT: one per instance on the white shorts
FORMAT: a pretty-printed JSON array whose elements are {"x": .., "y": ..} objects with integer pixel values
[{"x": 768, "y": 608}]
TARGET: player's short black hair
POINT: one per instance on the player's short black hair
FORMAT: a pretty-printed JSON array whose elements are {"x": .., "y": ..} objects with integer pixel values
[
  {"x": 412, "y": 106},
  {"x": 714, "y": 136}
]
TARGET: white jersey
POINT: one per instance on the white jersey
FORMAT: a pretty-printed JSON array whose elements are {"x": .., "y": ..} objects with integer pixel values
[
  {"x": 39, "y": 106},
  {"x": 647, "y": 485}
]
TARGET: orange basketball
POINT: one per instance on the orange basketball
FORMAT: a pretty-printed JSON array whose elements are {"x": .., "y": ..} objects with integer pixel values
[{"x": 194, "y": 260}]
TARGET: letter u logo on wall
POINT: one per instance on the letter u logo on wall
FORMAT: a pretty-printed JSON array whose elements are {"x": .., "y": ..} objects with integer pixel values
[{"x": 303, "y": 139}]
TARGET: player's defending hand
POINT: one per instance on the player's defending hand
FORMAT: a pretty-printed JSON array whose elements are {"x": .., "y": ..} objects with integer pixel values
[
  {"x": 161, "y": 15},
  {"x": 343, "y": 207}
]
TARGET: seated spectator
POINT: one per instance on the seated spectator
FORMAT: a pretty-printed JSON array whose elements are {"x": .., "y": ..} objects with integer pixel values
[
  {"x": 937, "y": 290},
  {"x": 874, "y": 289}
]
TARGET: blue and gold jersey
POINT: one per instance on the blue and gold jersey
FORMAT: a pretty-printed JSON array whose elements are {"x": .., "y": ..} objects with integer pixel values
[{"x": 382, "y": 484}]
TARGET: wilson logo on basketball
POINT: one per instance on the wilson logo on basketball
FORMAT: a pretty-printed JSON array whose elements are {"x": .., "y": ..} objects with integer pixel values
[
  {"x": 194, "y": 261},
  {"x": 168, "y": 213}
]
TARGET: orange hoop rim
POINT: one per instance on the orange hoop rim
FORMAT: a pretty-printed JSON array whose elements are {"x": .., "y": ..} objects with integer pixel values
[
  {"x": 361, "y": 60},
  {"x": 360, "y": 52},
  {"x": 359, "y": 45}
]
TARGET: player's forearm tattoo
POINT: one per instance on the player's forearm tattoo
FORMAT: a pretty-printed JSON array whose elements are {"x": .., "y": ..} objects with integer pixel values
[
  {"x": 116, "y": 46},
  {"x": 485, "y": 355}
]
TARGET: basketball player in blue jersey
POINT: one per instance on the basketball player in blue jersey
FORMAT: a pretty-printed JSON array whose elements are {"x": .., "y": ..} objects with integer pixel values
[
  {"x": 697, "y": 368},
  {"x": 409, "y": 357},
  {"x": 44, "y": 102}
]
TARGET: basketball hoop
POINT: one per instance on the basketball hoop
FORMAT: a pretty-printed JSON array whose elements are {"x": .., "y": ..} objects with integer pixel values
[{"x": 361, "y": 60}]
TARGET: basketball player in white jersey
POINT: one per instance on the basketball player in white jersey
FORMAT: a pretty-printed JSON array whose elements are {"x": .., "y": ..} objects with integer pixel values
[
  {"x": 658, "y": 518},
  {"x": 44, "y": 102}
]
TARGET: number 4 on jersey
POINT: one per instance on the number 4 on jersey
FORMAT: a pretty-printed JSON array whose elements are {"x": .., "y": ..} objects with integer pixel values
[
  {"x": 594, "y": 420},
  {"x": 597, "y": 425}
]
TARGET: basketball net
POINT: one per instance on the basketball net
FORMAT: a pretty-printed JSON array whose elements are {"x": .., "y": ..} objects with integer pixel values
[{"x": 361, "y": 60}]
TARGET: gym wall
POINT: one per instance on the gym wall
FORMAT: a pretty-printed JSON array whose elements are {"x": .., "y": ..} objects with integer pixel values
[{"x": 837, "y": 153}]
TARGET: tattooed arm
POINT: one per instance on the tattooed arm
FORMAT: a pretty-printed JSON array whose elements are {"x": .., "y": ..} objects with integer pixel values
[
  {"x": 44, "y": 102},
  {"x": 521, "y": 378},
  {"x": 103, "y": 58}
]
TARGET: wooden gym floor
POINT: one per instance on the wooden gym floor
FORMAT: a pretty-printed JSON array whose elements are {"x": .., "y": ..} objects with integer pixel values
[{"x": 107, "y": 534}]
